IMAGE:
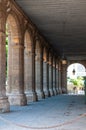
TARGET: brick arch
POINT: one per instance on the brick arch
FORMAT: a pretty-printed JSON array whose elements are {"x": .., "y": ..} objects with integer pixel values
[
  {"x": 70, "y": 65},
  {"x": 12, "y": 24},
  {"x": 14, "y": 40},
  {"x": 79, "y": 62},
  {"x": 27, "y": 40}
]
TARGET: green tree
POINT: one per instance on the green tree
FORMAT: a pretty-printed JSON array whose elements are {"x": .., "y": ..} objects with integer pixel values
[{"x": 78, "y": 82}]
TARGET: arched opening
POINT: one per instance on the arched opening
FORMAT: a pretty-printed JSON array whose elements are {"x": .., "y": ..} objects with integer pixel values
[
  {"x": 28, "y": 65},
  {"x": 15, "y": 85},
  {"x": 75, "y": 78},
  {"x": 12, "y": 38}
]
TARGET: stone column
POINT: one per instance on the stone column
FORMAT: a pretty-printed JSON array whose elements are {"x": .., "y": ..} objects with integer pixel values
[
  {"x": 54, "y": 77},
  {"x": 64, "y": 78},
  {"x": 59, "y": 78},
  {"x": 27, "y": 73},
  {"x": 45, "y": 79},
  {"x": 4, "y": 104},
  {"x": 47, "y": 76},
  {"x": 35, "y": 98},
  {"x": 28, "y": 80},
  {"x": 56, "y": 92},
  {"x": 17, "y": 96},
  {"x": 54, "y": 89},
  {"x": 39, "y": 75},
  {"x": 51, "y": 76}
]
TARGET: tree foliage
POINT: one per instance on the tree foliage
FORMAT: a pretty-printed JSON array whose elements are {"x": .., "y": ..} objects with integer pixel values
[{"x": 76, "y": 81}]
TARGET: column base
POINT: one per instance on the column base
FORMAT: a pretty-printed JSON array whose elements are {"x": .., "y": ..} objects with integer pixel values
[
  {"x": 47, "y": 94},
  {"x": 40, "y": 95},
  {"x": 31, "y": 97},
  {"x": 60, "y": 91},
  {"x": 17, "y": 99},
  {"x": 55, "y": 92},
  {"x": 64, "y": 91},
  {"x": 4, "y": 105},
  {"x": 51, "y": 92}
]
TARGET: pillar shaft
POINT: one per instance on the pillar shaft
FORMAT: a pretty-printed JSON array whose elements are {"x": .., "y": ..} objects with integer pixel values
[
  {"x": 51, "y": 77},
  {"x": 59, "y": 78},
  {"x": 54, "y": 76},
  {"x": 39, "y": 75},
  {"x": 48, "y": 74},
  {"x": 45, "y": 79},
  {"x": 64, "y": 79},
  {"x": 28, "y": 80},
  {"x": 17, "y": 96},
  {"x": 54, "y": 80},
  {"x": 33, "y": 74},
  {"x": 57, "y": 85}
]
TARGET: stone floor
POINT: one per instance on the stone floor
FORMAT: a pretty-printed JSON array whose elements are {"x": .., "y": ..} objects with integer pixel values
[{"x": 63, "y": 112}]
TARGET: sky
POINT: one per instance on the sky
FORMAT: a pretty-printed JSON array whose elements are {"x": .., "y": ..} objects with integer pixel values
[{"x": 79, "y": 70}]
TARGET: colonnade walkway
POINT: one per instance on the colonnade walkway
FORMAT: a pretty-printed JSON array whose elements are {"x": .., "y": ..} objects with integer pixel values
[{"x": 62, "y": 112}]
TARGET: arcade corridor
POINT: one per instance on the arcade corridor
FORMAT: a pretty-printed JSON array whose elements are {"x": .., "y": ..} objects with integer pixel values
[{"x": 43, "y": 38}]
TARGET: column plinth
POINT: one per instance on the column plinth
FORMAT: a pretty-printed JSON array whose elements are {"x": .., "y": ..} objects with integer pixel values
[
  {"x": 31, "y": 96},
  {"x": 17, "y": 99},
  {"x": 17, "y": 96},
  {"x": 40, "y": 94},
  {"x": 4, "y": 104}
]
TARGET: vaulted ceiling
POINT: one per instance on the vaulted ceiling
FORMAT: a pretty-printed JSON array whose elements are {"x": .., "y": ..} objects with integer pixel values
[{"x": 62, "y": 22}]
